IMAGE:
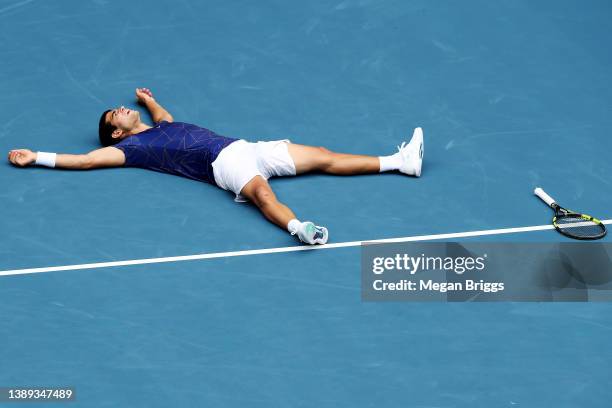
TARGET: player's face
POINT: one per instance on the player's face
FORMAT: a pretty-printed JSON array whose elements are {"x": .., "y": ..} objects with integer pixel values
[{"x": 123, "y": 118}]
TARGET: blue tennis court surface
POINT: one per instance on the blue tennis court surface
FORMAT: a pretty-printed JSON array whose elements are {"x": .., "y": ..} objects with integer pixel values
[{"x": 511, "y": 95}]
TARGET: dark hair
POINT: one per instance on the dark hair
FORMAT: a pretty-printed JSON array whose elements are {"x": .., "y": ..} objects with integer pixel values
[{"x": 105, "y": 131}]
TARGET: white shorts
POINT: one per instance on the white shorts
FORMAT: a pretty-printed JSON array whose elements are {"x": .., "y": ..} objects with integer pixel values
[{"x": 239, "y": 162}]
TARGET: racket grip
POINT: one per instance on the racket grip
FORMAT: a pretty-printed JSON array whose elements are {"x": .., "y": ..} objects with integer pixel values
[{"x": 543, "y": 196}]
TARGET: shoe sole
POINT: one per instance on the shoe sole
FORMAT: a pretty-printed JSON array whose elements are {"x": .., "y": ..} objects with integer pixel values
[
  {"x": 417, "y": 137},
  {"x": 323, "y": 240}
]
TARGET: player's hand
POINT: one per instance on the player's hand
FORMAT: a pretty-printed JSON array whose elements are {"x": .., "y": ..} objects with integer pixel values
[
  {"x": 143, "y": 95},
  {"x": 22, "y": 157}
]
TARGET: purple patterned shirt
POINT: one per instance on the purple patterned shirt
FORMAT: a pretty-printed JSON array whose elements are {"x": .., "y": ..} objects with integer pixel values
[{"x": 175, "y": 148}]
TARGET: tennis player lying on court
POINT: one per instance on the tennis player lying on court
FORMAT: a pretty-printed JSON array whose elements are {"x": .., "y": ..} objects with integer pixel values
[{"x": 231, "y": 164}]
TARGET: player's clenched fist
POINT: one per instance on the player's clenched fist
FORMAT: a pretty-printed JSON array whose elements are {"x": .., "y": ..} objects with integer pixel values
[{"x": 21, "y": 157}]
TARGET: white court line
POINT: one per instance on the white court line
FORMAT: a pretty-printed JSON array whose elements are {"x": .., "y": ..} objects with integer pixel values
[
  {"x": 279, "y": 250},
  {"x": 16, "y": 5}
]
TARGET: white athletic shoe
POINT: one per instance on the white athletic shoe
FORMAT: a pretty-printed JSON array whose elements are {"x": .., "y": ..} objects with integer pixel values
[
  {"x": 311, "y": 234},
  {"x": 412, "y": 154}
]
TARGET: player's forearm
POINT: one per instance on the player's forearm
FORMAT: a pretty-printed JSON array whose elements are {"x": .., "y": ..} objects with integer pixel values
[
  {"x": 157, "y": 111},
  {"x": 25, "y": 157},
  {"x": 73, "y": 161}
]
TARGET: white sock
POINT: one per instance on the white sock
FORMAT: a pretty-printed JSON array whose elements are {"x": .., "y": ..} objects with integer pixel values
[
  {"x": 293, "y": 225},
  {"x": 388, "y": 163}
]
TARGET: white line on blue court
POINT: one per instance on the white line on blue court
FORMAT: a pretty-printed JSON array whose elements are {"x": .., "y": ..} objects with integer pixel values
[
  {"x": 279, "y": 250},
  {"x": 14, "y": 6}
]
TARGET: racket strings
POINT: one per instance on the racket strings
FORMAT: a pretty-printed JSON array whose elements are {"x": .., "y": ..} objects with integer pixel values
[{"x": 576, "y": 226}]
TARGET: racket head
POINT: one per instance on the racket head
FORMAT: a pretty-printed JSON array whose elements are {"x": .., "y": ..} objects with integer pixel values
[{"x": 577, "y": 226}]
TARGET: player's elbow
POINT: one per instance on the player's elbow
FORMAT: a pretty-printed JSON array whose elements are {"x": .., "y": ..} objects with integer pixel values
[{"x": 166, "y": 117}]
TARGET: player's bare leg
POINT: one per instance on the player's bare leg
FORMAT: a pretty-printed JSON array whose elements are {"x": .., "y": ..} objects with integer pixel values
[
  {"x": 408, "y": 160},
  {"x": 260, "y": 193},
  {"x": 309, "y": 158}
]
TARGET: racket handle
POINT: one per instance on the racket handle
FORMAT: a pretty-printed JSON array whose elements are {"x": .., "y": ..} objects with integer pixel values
[{"x": 544, "y": 197}]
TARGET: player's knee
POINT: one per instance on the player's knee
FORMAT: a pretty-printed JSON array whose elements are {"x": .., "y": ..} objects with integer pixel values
[
  {"x": 325, "y": 158},
  {"x": 264, "y": 196}
]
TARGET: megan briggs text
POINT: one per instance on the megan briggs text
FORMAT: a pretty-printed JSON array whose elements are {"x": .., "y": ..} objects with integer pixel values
[{"x": 430, "y": 285}]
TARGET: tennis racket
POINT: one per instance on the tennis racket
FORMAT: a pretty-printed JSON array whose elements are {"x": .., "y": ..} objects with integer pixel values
[{"x": 570, "y": 223}]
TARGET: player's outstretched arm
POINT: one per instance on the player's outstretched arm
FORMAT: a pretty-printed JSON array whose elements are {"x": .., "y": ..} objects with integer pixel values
[
  {"x": 105, "y": 157},
  {"x": 158, "y": 113}
]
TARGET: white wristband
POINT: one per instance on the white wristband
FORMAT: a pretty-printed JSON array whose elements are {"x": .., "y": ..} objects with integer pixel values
[{"x": 45, "y": 159}]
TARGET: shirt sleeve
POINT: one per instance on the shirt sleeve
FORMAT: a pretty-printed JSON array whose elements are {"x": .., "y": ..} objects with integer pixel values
[{"x": 130, "y": 153}]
